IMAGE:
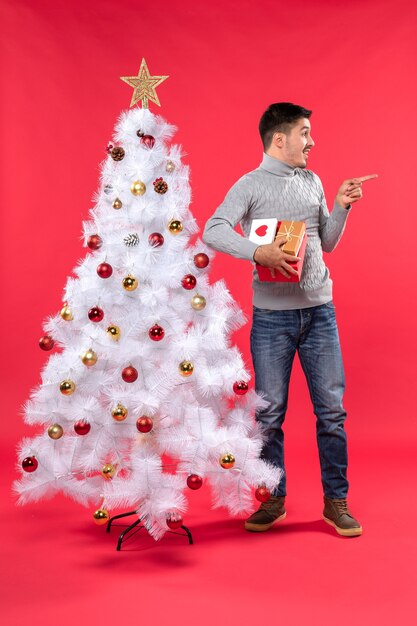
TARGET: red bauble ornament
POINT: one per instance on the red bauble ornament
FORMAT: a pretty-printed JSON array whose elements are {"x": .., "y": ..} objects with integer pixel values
[
  {"x": 174, "y": 521},
  {"x": 201, "y": 260},
  {"x": 82, "y": 427},
  {"x": 262, "y": 494},
  {"x": 155, "y": 240},
  {"x": 104, "y": 270},
  {"x": 96, "y": 314},
  {"x": 240, "y": 387},
  {"x": 144, "y": 424},
  {"x": 194, "y": 481},
  {"x": 189, "y": 281},
  {"x": 46, "y": 343},
  {"x": 156, "y": 333},
  {"x": 129, "y": 374},
  {"x": 148, "y": 141},
  {"x": 30, "y": 464},
  {"x": 94, "y": 242}
]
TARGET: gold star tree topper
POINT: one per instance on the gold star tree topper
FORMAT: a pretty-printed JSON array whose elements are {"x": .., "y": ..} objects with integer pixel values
[{"x": 144, "y": 86}]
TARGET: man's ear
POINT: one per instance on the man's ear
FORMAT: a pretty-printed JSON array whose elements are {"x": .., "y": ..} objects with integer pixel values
[{"x": 278, "y": 139}]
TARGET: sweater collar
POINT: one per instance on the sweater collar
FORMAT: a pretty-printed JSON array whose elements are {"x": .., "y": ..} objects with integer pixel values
[{"x": 277, "y": 167}]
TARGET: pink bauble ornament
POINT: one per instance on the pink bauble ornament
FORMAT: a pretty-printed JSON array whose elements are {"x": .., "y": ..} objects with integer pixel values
[
  {"x": 30, "y": 464},
  {"x": 104, "y": 270},
  {"x": 174, "y": 521},
  {"x": 201, "y": 260},
  {"x": 82, "y": 427},
  {"x": 129, "y": 374},
  {"x": 194, "y": 481},
  {"x": 95, "y": 314},
  {"x": 189, "y": 281},
  {"x": 46, "y": 343},
  {"x": 240, "y": 387},
  {"x": 156, "y": 240},
  {"x": 144, "y": 424},
  {"x": 156, "y": 333},
  {"x": 94, "y": 242},
  {"x": 262, "y": 494},
  {"x": 148, "y": 141}
]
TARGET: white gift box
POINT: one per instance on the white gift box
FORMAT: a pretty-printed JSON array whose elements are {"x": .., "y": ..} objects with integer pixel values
[{"x": 263, "y": 230}]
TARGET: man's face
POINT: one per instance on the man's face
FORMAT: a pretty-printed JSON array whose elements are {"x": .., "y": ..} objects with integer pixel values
[{"x": 297, "y": 143}]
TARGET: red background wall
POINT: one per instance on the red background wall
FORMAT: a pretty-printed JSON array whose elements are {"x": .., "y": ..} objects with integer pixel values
[{"x": 352, "y": 62}]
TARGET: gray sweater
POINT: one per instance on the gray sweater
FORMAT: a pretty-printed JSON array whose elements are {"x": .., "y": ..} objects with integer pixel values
[{"x": 278, "y": 190}]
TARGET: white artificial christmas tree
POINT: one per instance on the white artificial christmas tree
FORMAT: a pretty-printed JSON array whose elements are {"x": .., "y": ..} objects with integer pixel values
[{"x": 145, "y": 369}]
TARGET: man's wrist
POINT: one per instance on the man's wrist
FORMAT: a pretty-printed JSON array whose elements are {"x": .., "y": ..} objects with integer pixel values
[{"x": 342, "y": 204}]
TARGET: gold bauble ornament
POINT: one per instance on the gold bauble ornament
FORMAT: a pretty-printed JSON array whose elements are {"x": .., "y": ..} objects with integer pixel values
[
  {"x": 170, "y": 167},
  {"x": 186, "y": 368},
  {"x": 67, "y": 387},
  {"x": 114, "y": 332},
  {"x": 108, "y": 471},
  {"x": 130, "y": 283},
  {"x": 89, "y": 358},
  {"x": 117, "y": 204},
  {"x": 101, "y": 516},
  {"x": 119, "y": 413},
  {"x": 55, "y": 431},
  {"x": 66, "y": 313},
  {"x": 198, "y": 302},
  {"x": 138, "y": 188},
  {"x": 227, "y": 460},
  {"x": 175, "y": 227}
]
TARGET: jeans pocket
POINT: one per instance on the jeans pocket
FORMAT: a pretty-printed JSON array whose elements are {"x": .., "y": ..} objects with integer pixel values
[
  {"x": 257, "y": 311},
  {"x": 329, "y": 305}
]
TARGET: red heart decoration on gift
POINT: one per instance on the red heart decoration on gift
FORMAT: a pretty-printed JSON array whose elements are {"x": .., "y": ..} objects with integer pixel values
[{"x": 261, "y": 230}]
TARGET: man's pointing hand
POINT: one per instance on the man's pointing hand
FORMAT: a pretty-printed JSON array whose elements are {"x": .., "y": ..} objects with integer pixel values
[{"x": 351, "y": 190}]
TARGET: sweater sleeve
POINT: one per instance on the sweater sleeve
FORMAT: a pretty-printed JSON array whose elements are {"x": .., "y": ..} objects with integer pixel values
[
  {"x": 332, "y": 224},
  {"x": 219, "y": 232}
]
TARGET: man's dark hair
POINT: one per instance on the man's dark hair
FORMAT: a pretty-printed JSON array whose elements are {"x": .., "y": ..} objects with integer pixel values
[{"x": 280, "y": 117}]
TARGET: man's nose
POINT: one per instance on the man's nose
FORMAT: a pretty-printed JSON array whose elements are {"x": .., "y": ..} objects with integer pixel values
[{"x": 311, "y": 141}]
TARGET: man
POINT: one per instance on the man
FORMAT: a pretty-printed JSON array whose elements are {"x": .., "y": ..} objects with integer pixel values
[{"x": 293, "y": 317}]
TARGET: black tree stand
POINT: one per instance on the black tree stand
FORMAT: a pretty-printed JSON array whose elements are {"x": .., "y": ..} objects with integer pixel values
[{"x": 127, "y": 533}]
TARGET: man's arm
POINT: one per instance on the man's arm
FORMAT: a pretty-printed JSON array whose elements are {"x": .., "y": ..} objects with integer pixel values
[
  {"x": 219, "y": 232},
  {"x": 332, "y": 225}
]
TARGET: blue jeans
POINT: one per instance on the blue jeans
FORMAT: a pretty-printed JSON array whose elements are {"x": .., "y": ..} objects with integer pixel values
[{"x": 312, "y": 332}]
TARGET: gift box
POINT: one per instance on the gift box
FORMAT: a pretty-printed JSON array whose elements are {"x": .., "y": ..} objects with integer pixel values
[
  {"x": 294, "y": 232},
  {"x": 264, "y": 231}
]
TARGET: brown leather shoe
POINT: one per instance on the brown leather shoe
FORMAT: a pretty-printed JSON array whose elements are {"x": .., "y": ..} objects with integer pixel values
[
  {"x": 337, "y": 514},
  {"x": 268, "y": 514}
]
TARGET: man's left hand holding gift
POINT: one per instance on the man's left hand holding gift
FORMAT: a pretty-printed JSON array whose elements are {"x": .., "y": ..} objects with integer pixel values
[{"x": 272, "y": 256}]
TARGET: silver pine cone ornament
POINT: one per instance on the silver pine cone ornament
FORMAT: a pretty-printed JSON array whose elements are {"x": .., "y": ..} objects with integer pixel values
[{"x": 131, "y": 240}]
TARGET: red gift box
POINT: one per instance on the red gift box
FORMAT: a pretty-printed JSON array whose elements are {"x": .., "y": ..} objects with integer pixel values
[{"x": 272, "y": 275}]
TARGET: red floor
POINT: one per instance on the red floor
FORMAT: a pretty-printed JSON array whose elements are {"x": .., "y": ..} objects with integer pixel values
[{"x": 59, "y": 568}]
